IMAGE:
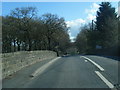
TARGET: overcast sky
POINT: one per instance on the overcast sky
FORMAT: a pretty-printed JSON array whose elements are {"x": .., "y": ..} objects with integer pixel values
[{"x": 76, "y": 14}]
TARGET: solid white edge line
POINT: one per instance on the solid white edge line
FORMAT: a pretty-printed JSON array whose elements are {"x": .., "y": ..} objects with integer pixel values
[
  {"x": 110, "y": 85},
  {"x": 94, "y": 63},
  {"x": 41, "y": 69}
]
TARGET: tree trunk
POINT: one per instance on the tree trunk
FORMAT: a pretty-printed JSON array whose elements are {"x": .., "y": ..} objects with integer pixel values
[
  {"x": 18, "y": 47},
  {"x": 30, "y": 45},
  {"x": 18, "y": 44},
  {"x": 14, "y": 46},
  {"x": 49, "y": 46}
]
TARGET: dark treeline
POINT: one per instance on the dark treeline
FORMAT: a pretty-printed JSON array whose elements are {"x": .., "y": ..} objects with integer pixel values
[
  {"x": 23, "y": 30},
  {"x": 101, "y": 36}
]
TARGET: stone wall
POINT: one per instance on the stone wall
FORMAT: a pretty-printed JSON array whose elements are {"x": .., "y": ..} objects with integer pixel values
[{"x": 12, "y": 62}]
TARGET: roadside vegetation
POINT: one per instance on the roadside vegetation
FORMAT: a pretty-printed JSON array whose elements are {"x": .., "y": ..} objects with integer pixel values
[
  {"x": 101, "y": 36},
  {"x": 23, "y": 30}
]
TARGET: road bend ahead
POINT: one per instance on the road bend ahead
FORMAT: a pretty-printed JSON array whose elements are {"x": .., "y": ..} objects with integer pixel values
[{"x": 68, "y": 72}]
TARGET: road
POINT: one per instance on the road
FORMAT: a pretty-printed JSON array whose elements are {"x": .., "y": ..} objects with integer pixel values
[{"x": 67, "y": 72}]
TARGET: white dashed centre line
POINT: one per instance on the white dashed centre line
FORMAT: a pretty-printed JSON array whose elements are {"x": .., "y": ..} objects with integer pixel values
[
  {"x": 86, "y": 61},
  {"x": 109, "y": 84},
  {"x": 98, "y": 66}
]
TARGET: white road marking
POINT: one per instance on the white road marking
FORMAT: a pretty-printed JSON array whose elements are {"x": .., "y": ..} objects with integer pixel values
[
  {"x": 41, "y": 69},
  {"x": 110, "y": 85},
  {"x": 86, "y": 61},
  {"x": 98, "y": 66}
]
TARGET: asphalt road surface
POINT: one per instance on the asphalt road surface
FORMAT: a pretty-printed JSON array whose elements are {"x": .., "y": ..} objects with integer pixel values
[{"x": 67, "y": 72}]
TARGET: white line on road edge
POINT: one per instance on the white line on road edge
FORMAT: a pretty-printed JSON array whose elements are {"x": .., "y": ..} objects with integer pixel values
[
  {"x": 104, "y": 79},
  {"x": 41, "y": 69},
  {"x": 94, "y": 63}
]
